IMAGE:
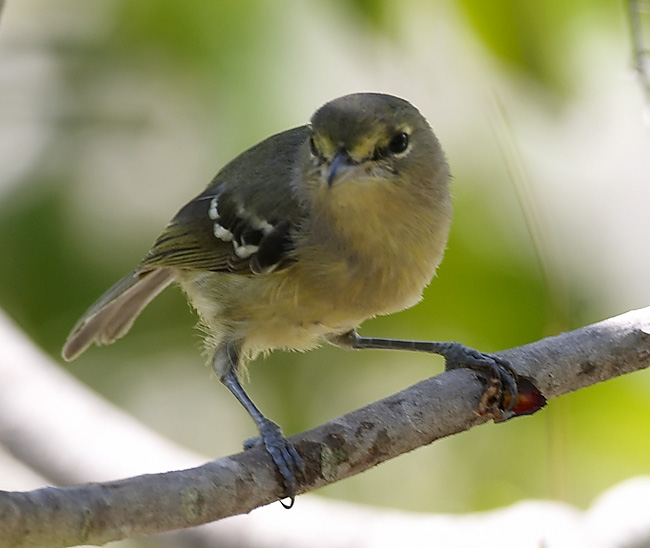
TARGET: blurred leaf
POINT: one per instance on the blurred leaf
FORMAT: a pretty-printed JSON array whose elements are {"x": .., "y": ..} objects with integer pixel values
[{"x": 532, "y": 37}]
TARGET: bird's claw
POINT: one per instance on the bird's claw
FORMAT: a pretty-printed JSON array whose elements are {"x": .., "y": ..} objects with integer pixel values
[
  {"x": 500, "y": 396},
  {"x": 284, "y": 455}
]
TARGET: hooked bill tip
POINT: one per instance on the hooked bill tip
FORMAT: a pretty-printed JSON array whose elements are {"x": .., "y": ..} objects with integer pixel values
[{"x": 339, "y": 164}]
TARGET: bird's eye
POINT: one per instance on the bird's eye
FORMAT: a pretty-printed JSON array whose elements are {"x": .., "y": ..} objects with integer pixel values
[
  {"x": 399, "y": 143},
  {"x": 312, "y": 147}
]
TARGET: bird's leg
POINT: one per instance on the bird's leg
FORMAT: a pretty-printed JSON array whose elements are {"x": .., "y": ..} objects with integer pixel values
[
  {"x": 283, "y": 453},
  {"x": 502, "y": 378}
]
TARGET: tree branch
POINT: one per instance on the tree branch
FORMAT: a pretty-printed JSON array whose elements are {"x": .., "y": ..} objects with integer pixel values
[{"x": 434, "y": 408}]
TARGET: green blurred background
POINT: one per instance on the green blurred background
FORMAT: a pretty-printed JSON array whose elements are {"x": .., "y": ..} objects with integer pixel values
[{"x": 114, "y": 113}]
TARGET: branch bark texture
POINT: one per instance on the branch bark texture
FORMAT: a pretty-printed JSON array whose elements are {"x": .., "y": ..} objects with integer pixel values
[{"x": 434, "y": 408}]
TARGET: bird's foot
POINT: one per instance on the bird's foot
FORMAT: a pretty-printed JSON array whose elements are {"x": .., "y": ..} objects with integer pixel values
[
  {"x": 284, "y": 455},
  {"x": 507, "y": 394}
]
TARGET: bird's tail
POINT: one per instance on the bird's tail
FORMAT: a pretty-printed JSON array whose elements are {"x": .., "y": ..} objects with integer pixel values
[{"x": 114, "y": 312}]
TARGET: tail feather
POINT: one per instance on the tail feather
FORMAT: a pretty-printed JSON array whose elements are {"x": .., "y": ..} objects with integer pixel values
[{"x": 114, "y": 312}]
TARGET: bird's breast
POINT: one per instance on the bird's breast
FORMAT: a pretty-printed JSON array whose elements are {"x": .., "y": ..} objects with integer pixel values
[{"x": 362, "y": 260}]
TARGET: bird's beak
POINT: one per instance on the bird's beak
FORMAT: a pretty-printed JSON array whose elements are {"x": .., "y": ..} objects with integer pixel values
[{"x": 338, "y": 166}]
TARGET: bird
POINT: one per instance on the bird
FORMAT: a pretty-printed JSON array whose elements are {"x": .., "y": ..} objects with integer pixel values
[{"x": 296, "y": 242}]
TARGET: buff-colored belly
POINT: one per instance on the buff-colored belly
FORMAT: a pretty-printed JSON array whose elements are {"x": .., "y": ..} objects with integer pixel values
[{"x": 296, "y": 307}]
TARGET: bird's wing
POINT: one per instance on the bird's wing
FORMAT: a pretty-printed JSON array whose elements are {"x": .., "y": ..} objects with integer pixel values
[{"x": 245, "y": 219}]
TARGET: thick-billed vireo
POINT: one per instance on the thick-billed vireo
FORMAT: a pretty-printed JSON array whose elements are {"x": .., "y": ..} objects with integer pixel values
[{"x": 297, "y": 241}]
